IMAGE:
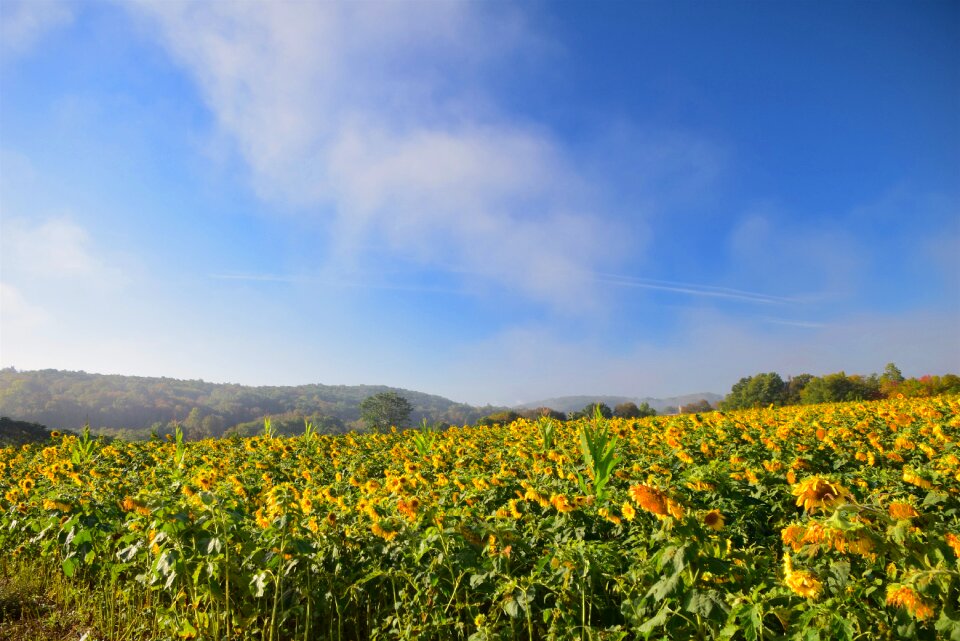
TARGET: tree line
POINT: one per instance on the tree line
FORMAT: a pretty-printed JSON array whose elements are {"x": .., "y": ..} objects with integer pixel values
[
  {"x": 763, "y": 390},
  {"x": 135, "y": 407}
]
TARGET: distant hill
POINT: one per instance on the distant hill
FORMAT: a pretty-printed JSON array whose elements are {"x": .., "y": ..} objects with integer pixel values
[
  {"x": 662, "y": 405},
  {"x": 133, "y": 405},
  {"x": 16, "y": 433}
]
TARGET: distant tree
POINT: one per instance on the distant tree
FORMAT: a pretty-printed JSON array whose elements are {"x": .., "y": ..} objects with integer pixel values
[
  {"x": 384, "y": 410},
  {"x": 759, "y": 390},
  {"x": 837, "y": 388},
  {"x": 499, "y": 418},
  {"x": 703, "y": 405},
  {"x": 626, "y": 410},
  {"x": 631, "y": 410},
  {"x": 590, "y": 410},
  {"x": 890, "y": 380},
  {"x": 795, "y": 385},
  {"x": 542, "y": 412},
  {"x": 891, "y": 374}
]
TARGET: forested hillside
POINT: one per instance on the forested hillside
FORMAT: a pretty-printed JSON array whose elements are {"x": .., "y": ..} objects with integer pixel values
[
  {"x": 16, "y": 433},
  {"x": 133, "y": 405}
]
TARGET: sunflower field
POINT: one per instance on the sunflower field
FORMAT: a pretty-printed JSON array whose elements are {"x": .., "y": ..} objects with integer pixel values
[{"x": 815, "y": 522}]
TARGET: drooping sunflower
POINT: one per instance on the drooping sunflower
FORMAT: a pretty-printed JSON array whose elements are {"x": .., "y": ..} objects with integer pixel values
[
  {"x": 904, "y": 597},
  {"x": 650, "y": 498},
  {"x": 954, "y": 542},
  {"x": 801, "y": 582},
  {"x": 902, "y": 511},
  {"x": 816, "y": 493}
]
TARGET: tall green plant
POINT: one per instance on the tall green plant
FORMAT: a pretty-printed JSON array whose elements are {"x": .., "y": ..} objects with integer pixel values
[
  {"x": 83, "y": 447},
  {"x": 548, "y": 431},
  {"x": 268, "y": 431},
  {"x": 598, "y": 448}
]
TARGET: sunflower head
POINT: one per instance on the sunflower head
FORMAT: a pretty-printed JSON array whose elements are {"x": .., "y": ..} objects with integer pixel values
[
  {"x": 650, "y": 498},
  {"x": 816, "y": 493},
  {"x": 713, "y": 520}
]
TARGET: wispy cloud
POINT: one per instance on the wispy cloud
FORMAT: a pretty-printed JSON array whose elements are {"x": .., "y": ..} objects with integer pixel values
[
  {"x": 374, "y": 114},
  {"x": 25, "y": 22},
  {"x": 346, "y": 283},
  {"x": 693, "y": 289},
  {"x": 55, "y": 249},
  {"x": 17, "y": 313},
  {"x": 792, "y": 323}
]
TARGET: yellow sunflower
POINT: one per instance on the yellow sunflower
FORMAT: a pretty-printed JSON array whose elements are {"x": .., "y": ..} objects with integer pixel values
[{"x": 818, "y": 493}]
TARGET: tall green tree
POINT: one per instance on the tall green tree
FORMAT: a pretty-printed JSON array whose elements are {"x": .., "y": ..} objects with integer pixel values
[
  {"x": 384, "y": 410},
  {"x": 590, "y": 410},
  {"x": 837, "y": 388},
  {"x": 756, "y": 391},
  {"x": 631, "y": 410},
  {"x": 795, "y": 386}
]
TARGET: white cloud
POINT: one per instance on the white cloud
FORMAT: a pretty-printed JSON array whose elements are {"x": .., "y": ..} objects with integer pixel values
[
  {"x": 26, "y": 22},
  {"x": 18, "y": 314},
  {"x": 374, "y": 112},
  {"x": 55, "y": 249}
]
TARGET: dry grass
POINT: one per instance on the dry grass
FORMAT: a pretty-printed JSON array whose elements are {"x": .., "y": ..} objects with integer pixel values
[{"x": 37, "y": 607}]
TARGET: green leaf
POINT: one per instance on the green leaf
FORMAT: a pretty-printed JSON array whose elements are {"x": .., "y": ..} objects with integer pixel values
[
  {"x": 128, "y": 553},
  {"x": 258, "y": 584},
  {"x": 664, "y": 587},
  {"x": 214, "y": 546},
  {"x": 69, "y": 565},
  {"x": 656, "y": 621},
  {"x": 949, "y": 625}
]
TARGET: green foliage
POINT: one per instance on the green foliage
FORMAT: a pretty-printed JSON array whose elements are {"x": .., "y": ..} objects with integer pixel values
[
  {"x": 696, "y": 407},
  {"x": 499, "y": 418},
  {"x": 837, "y": 388},
  {"x": 82, "y": 447},
  {"x": 548, "y": 432},
  {"x": 385, "y": 410},
  {"x": 599, "y": 450},
  {"x": 759, "y": 390},
  {"x": 21, "y": 432},
  {"x": 631, "y": 410},
  {"x": 424, "y": 438},
  {"x": 591, "y": 410},
  {"x": 131, "y": 406}
]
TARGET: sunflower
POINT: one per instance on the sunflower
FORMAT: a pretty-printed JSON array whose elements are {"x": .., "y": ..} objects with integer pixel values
[
  {"x": 713, "y": 520},
  {"x": 904, "y": 597},
  {"x": 801, "y": 582},
  {"x": 816, "y": 493},
  {"x": 913, "y": 478},
  {"x": 792, "y": 535},
  {"x": 649, "y": 498},
  {"x": 386, "y": 535},
  {"x": 954, "y": 542},
  {"x": 902, "y": 511},
  {"x": 561, "y": 503}
]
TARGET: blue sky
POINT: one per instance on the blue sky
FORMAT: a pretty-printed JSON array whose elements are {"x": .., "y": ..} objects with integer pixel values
[{"x": 496, "y": 202}]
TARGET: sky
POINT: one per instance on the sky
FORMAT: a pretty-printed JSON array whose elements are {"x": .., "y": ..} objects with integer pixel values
[{"x": 495, "y": 202}]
